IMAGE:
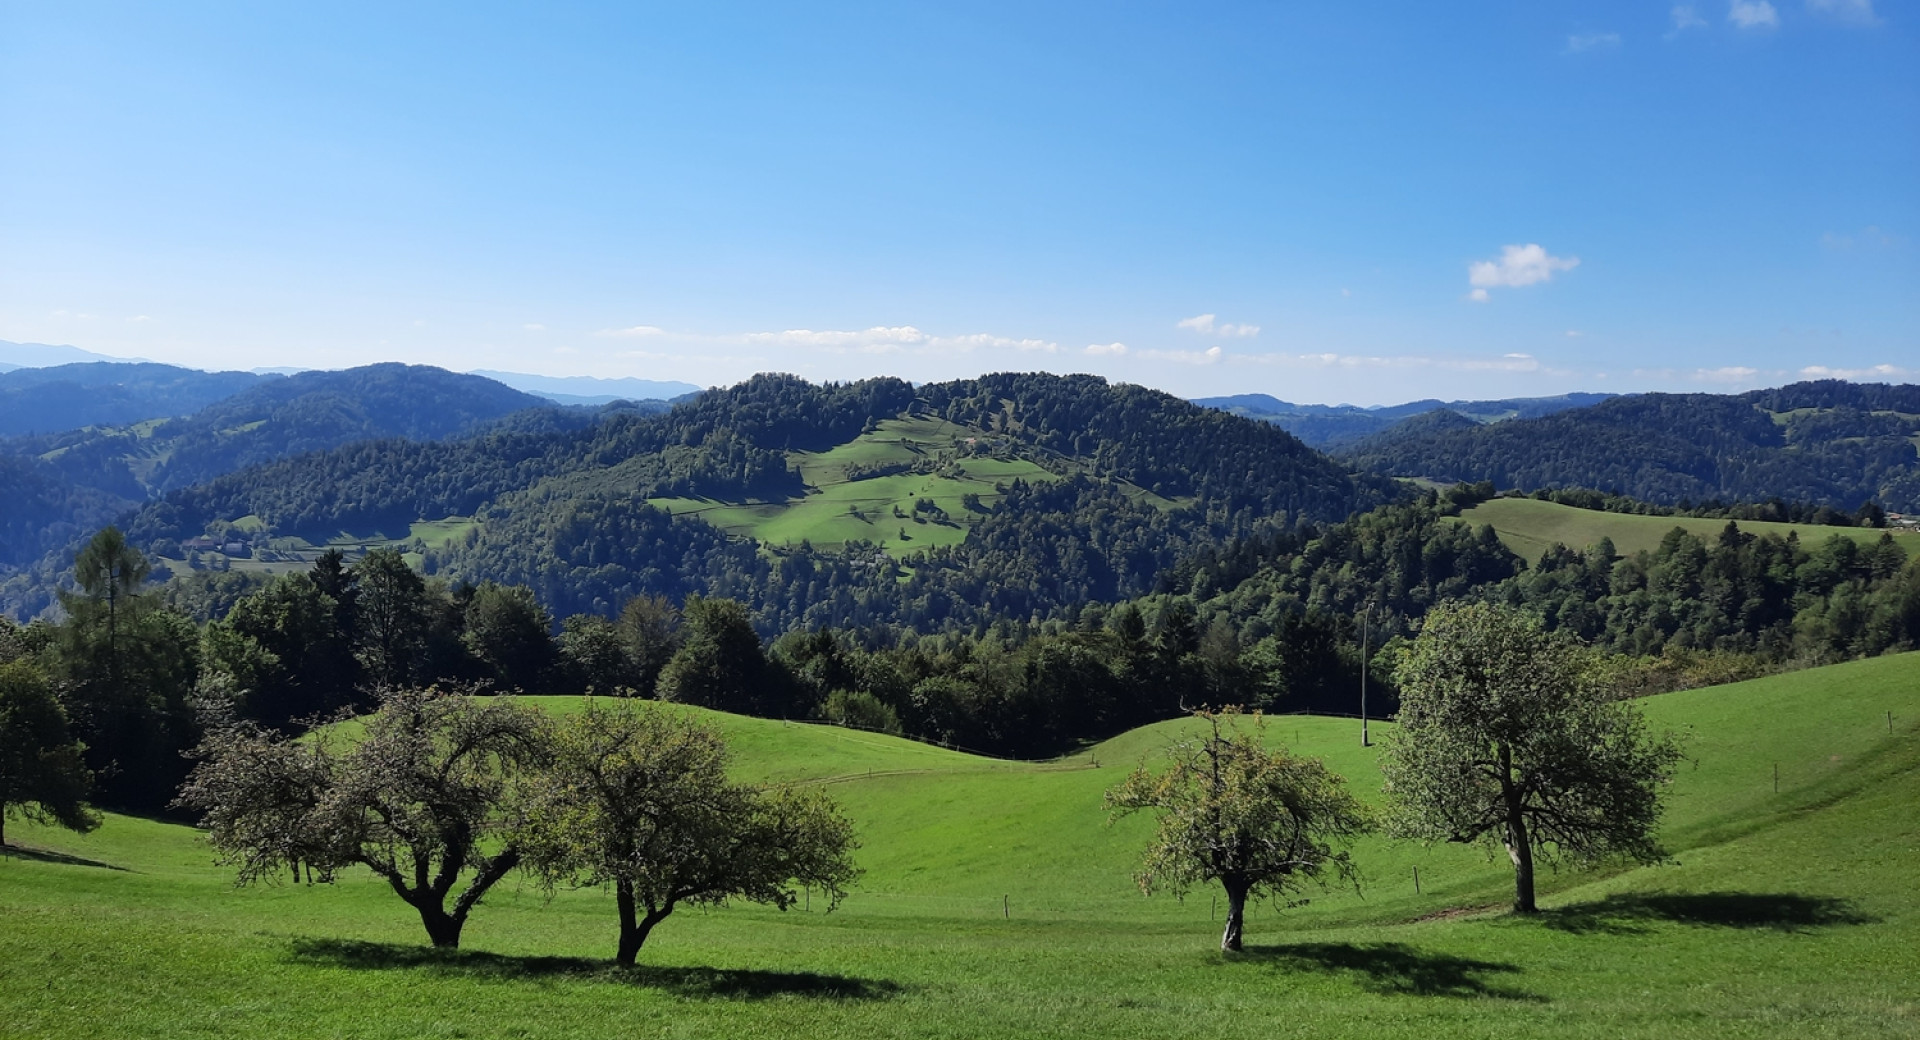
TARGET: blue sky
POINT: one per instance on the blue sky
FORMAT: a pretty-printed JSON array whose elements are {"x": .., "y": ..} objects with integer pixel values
[{"x": 1328, "y": 202}]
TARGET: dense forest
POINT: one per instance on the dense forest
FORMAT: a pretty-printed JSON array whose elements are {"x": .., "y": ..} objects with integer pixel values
[
  {"x": 1138, "y": 478},
  {"x": 107, "y": 393},
  {"x": 1828, "y": 443}
]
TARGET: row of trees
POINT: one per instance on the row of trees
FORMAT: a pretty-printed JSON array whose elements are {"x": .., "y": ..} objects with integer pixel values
[{"x": 443, "y": 795}]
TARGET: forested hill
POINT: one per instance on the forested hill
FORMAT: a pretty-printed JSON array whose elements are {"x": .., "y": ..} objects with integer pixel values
[
  {"x": 1827, "y": 443},
  {"x": 1327, "y": 426},
  {"x": 867, "y": 503},
  {"x": 102, "y": 393},
  {"x": 54, "y": 487}
]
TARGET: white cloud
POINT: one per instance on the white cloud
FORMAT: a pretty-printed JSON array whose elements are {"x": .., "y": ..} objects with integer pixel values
[
  {"x": 534, "y": 326},
  {"x": 1205, "y": 325},
  {"x": 140, "y": 318},
  {"x": 1211, "y": 355},
  {"x": 1753, "y": 14},
  {"x": 1684, "y": 18},
  {"x": 1599, "y": 41},
  {"x": 1855, "y": 12},
  {"x": 633, "y": 332},
  {"x": 896, "y": 339},
  {"x": 1869, "y": 237},
  {"x": 1876, "y": 372},
  {"x": 1574, "y": 334},
  {"x": 1727, "y": 375},
  {"x": 1505, "y": 363},
  {"x": 1517, "y": 266}
]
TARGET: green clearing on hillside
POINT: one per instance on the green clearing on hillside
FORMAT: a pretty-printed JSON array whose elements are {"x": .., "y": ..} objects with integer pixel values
[
  {"x": 1530, "y": 527},
  {"x": 840, "y": 508},
  {"x": 295, "y": 555},
  {"x": 1785, "y": 915}
]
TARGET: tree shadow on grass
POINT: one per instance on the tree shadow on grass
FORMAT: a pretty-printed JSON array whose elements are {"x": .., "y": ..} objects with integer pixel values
[
  {"x": 1631, "y": 914},
  {"x": 1395, "y": 969},
  {"x": 689, "y": 982},
  {"x": 50, "y": 856}
]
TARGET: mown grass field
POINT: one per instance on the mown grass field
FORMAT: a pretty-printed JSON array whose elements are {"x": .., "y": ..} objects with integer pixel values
[
  {"x": 1789, "y": 914},
  {"x": 1530, "y": 527}
]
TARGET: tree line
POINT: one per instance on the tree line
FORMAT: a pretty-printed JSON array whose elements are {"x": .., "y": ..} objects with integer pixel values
[{"x": 1277, "y": 621}]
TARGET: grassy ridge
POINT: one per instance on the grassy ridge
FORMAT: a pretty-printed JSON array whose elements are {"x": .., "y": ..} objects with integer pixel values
[
  {"x": 1789, "y": 914},
  {"x": 1530, "y": 527}
]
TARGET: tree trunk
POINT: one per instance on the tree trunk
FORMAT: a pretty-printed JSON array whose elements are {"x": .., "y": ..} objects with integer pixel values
[
  {"x": 630, "y": 937},
  {"x": 634, "y": 928},
  {"x": 442, "y": 928},
  {"x": 1519, "y": 843},
  {"x": 1230, "y": 939}
]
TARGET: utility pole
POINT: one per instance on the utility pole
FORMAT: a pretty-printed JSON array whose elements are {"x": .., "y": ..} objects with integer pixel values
[{"x": 1365, "y": 616}]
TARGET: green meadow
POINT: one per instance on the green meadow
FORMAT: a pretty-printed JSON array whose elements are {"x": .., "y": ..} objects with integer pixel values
[
  {"x": 997, "y": 901},
  {"x": 842, "y": 505},
  {"x": 1530, "y": 527}
]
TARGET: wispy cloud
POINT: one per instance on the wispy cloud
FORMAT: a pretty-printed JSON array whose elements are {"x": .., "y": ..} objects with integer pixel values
[
  {"x": 1599, "y": 41},
  {"x": 896, "y": 339},
  {"x": 1206, "y": 325},
  {"x": 633, "y": 332},
  {"x": 1753, "y": 14},
  {"x": 534, "y": 326},
  {"x": 1331, "y": 360},
  {"x": 1869, "y": 237},
  {"x": 1209, "y": 356},
  {"x": 1853, "y": 12},
  {"x": 1729, "y": 375},
  {"x": 1517, "y": 266},
  {"x": 1875, "y": 372},
  {"x": 1684, "y": 18}
]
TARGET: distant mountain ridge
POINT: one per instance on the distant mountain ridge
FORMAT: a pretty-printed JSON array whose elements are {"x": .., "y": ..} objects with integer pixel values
[
  {"x": 591, "y": 390},
  {"x": 1326, "y": 426},
  {"x": 109, "y": 393},
  {"x": 40, "y": 355},
  {"x": 1827, "y": 442},
  {"x": 83, "y": 478}
]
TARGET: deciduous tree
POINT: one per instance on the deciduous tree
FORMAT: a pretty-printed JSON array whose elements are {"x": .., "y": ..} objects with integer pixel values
[
  {"x": 418, "y": 797},
  {"x": 1261, "y": 822},
  {"x": 1506, "y": 736},
  {"x": 43, "y": 776},
  {"x": 637, "y": 798}
]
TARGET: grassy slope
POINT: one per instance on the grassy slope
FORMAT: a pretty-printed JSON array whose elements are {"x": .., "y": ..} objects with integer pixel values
[
  {"x": 1530, "y": 527},
  {"x": 837, "y": 510},
  {"x": 1785, "y": 915}
]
